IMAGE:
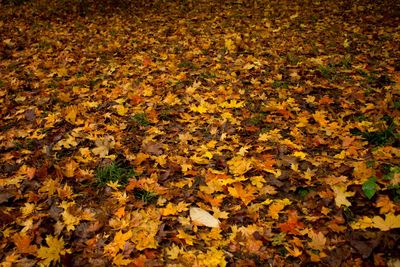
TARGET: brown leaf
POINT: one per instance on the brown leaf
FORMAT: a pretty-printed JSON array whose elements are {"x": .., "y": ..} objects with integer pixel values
[{"x": 152, "y": 148}]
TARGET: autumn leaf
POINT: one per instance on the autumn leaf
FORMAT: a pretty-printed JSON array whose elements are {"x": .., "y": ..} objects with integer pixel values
[
  {"x": 391, "y": 221},
  {"x": 230, "y": 45},
  {"x": 23, "y": 243},
  {"x": 103, "y": 146},
  {"x": 70, "y": 168},
  {"x": 118, "y": 243},
  {"x": 341, "y": 195},
  {"x": 202, "y": 217},
  {"x": 119, "y": 260},
  {"x": 186, "y": 237},
  {"x": 239, "y": 165},
  {"x": 259, "y": 113},
  {"x": 246, "y": 194},
  {"x": 385, "y": 204},
  {"x": 318, "y": 240},
  {"x": 292, "y": 225},
  {"x": 53, "y": 251}
]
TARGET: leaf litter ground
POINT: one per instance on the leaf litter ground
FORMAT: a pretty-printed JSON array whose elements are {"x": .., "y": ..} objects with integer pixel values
[{"x": 200, "y": 134}]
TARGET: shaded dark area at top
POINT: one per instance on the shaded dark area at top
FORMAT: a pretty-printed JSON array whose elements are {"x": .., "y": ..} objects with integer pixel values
[{"x": 389, "y": 9}]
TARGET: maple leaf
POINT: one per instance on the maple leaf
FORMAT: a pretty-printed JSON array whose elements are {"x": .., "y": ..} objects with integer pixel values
[
  {"x": 69, "y": 168},
  {"x": 391, "y": 221},
  {"x": 239, "y": 165},
  {"x": 318, "y": 240},
  {"x": 292, "y": 225},
  {"x": 70, "y": 220},
  {"x": 274, "y": 209},
  {"x": 23, "y": 243},
  {"x": 341, "y": 195},
  {"x": 119, "y": 260},
  {"x": 71, "y": 113},
  {"x": 230, "y": 45},
  {"x": 103, "y": 146},
  {"x": 121, "y": 110},
  {"x": 173, "y": 252},
  {"x": 186, "y": 237},
  {"x": 245, "y": 194},
  {"x": 232, "y": 104},
  {"x": 118, "y": 243},
  {"x": 385, "y": 204},
  {"x": 54, "y": 250},
  {"x": 295, "y": 252}
]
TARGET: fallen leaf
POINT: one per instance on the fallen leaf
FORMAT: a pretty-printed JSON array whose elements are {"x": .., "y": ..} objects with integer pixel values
[{"x": 202, "y": 217}]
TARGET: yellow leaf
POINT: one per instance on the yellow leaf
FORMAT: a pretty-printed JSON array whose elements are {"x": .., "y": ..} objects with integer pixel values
[
  {"x": 120, "y": 239},
  {"x": 121, "y": 110},
  {"x": 274, "y": 209},
  {"x": 72, "y": 111},
  {"x": 103, "y": 146},
  {"x": 188, "y": 238},
  {"x": 70, "y": 220},
  {"x": 277, "y": 206},
  {"x": 239, "y": 165},
  {"x": 232, "y": 104},
  {"x": 341, "y": 195},
  {"x": 69, "y": 169},
  {"x": 318, "y": 240},
  {"x": 173, "y": 252},
  {"x": 119, "y": 260},
  {"x": 391, "y": 221},
  {"x": 295, "y": 252},
  {"x": 300, "y": 154},
  {"x": 385, "y": 204},
  {"x": 202, "y": 217},
  {"x": 247, "y": 194},
  {"x": 363, "y": 223},
  {"x": 53, "y": 251},
  {"x": 170, "y": 209},
  {"x": 267, "y": 202},
  {"x": 28, "y": 209},
  {"x": 200, "y": 109},
  {"x": 230, "y": 45}
]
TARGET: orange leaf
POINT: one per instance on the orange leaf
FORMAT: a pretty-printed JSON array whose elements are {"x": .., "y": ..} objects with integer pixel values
[
  {"x": 292, "y": 224},
  {"x": 23, "y": 243},
  {"x": 318, "y": 240}
]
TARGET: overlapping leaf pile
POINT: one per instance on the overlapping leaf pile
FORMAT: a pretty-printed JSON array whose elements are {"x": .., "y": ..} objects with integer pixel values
[{"x": 200, "y": 134}]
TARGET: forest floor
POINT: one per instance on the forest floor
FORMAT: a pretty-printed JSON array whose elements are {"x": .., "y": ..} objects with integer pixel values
[{"x": 207, "y": 133}]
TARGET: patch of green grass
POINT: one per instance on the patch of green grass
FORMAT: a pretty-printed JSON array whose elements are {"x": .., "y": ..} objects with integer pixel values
[
  {"x": 145, "y": 196},
  {"x": 303, "y": 192},
  {"x": 293, "y": 59},
  {"x": 346, "y": 62},
  {"x": 141, "y": 119},
  {"x": 187, "y": 64},
  {"x": 328, "y": 71},
  {"x": 393, "y": 188},
  {"x": 166, "y": 115},
  {"x": 18, "y": 145},
  {"x": 113, "y": 173},
  {"x": 207, "y": 76},
  {"x": 380, "y": 138},
  {"x": 257, "y": 119},
  {"x": 280, "y": 84}
]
